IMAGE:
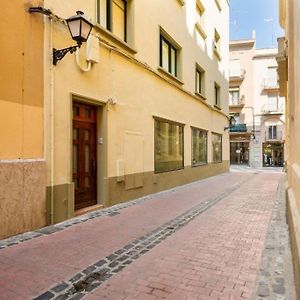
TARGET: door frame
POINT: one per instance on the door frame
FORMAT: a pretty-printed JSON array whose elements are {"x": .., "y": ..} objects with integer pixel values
[{"x": 101, "y": 149}]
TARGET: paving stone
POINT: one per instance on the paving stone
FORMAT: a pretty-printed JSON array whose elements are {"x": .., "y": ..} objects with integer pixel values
[
  {"x": 46, "y": 296},
  {"x": 263, "y": 291},
  {"x": 58, "y": 288},
  {"x": 278, "y": 289}
]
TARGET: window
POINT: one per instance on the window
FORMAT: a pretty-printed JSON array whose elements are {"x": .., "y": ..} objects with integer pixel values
[
  {"x": 216, "y": 148},
  {"x": 199, "y": 147},
  {"x": 235, "y": 68},
  {"x": 236, "y": 117},
  {"x": 218, "y": 3},
  {"x": 272, "y": 132},
  {"x": 272, "y": 103},
  {"x": 168, "y": 56},
  {"x": 200, "y": 21},
  {"x": 234, "y": 96},
  {"x": 217, "y": 95},
  {"x": 272, "y": 79},
  {"x": 199, "y": 86},
  {"x": 112, "y": 14},
  {"x": 217, "y": 45},
  {"x": 168, "y": 146}
]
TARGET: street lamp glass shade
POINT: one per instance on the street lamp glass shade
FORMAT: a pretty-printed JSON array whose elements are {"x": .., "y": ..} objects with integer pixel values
[
  {"x": 80, "y": 27},
  {"x": 232, "y": 121}
]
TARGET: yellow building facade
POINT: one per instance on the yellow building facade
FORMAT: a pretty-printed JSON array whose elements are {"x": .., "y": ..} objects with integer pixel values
[
  {"x": 22, "y": 163},
  {"x": 140, "y": 108},
  {"x": 289, "y": 78}
]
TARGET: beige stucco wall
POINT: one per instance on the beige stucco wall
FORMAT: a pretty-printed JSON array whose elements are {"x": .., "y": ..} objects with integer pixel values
[
  {"x": 290, "y": 20},
  {"x": 22, "y": 164},
  {"x": 139, "y": 90}
]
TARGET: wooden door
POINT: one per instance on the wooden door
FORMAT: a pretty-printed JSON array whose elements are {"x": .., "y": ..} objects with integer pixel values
[{"x": 84, "y": 155}]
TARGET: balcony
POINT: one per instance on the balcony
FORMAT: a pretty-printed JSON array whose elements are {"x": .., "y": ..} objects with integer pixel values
[
  {"x": 236, "y": 75},
  {"x": 238, "y": 128},
  {"x": 237, "y": 102},
  {"x": 270, "y": 84},
  {"x": 282, "y": 66},
  {"x": 272, "y": 109}
]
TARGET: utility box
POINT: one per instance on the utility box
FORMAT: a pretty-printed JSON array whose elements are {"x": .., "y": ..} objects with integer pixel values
[{"x": 93, "y": 49}]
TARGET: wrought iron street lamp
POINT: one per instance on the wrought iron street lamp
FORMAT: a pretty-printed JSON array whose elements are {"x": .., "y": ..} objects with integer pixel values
[
  {"x": 80, "y": 28},
  {"x": 232, "y": 122}
]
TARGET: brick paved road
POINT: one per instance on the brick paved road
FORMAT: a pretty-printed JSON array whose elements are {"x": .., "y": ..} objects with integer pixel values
[{"x": 208, "y": 252}]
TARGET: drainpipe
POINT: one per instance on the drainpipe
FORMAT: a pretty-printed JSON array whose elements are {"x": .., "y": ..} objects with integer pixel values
[{"x": 51, "y": 130}]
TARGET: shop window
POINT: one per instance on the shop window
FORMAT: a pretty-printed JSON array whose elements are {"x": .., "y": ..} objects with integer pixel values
[
  {"x": 216, "y": 148},
  {"x": 199, "y": 147},
  {"x": 168, "y": 146}
]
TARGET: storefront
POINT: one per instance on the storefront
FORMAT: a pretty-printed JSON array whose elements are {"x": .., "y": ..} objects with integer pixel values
[
  {"x": 239, "y": 153},
  {"x": 273, "y": 154}
]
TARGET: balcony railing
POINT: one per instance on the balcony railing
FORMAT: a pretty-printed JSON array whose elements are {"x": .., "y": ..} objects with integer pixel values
[
  {"x": 237, "y": 74},
  {"x": 270, "y": 83},
  {"x": 238, "y": 128},
  {"x": 237, "y": 101},
  {"x": 273, "y": 108},
  {"x": 275, "y": 136}
]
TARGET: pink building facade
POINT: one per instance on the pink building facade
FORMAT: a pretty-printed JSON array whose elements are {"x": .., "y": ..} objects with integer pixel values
[{"x": 258, "y": 137}]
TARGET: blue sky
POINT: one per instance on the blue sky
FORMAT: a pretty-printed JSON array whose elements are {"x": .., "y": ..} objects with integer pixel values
[{"x": 248, "y": 15}]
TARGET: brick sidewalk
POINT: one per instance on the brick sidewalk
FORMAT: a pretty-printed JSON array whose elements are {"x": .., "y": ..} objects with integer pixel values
[{"x": 215, "y": 255}]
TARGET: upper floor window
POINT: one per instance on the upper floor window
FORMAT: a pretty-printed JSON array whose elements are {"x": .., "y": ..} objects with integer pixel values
[
  {"x": 200, "y": 18},
  {"x": 199, "y": 86},
  {"x": 112, "y": 14},
  {"x": 272, "y": 79},
  {"x": 218, "y": 3},
  {"x": 234, "y": 68},
  {"x": 217, "y": 45},
  {"x": 217, "y": 95},
  {"x": 272, "y": 132},
  {"x": 234, "y": 96},
  {"x": 168, "y": 56}
]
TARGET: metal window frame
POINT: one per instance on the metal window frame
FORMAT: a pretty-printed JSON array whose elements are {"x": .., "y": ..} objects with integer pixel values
[
  {"x": 109, "y": 15},
  {"x": 181, "y": 125},
  {"x": 170, "y": 47},
  {"x": 206, "y": 148}
]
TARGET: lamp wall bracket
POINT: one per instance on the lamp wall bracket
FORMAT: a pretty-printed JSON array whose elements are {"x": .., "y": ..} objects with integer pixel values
[
  {"x": 40, "y": 10},
  {"x": 60, "y": 54}
]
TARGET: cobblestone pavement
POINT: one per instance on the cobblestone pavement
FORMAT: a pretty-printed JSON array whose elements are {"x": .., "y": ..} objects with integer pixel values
[
  {"x": 275, "y": 278},
  {"x": 199, "y": 241}
]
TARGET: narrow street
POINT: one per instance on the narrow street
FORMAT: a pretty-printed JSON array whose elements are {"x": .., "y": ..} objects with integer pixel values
[{"x": 212, "y": 239}]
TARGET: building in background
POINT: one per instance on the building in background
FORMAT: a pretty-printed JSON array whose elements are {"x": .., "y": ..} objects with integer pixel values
[
  {"x": 22, "y": 163},
  {"x": 289, "y": 78},
  {"x": 258, "y": 137},
  {"x": 141, "y": 107}
]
